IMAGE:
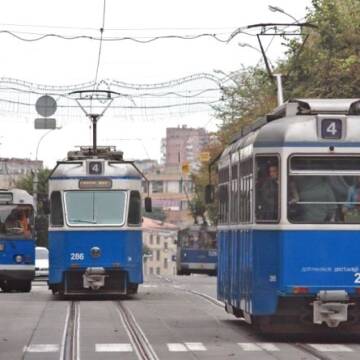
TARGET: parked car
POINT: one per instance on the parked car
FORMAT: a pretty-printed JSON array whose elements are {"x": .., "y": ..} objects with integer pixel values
[{"x": 41, "y": 261}]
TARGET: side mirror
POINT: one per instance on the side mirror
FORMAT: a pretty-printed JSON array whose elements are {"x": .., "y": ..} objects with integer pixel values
[
  {"x": 148, "y": 204},
  {"x": 209, "y": 194},
  {"x": 46, "y": 206}
]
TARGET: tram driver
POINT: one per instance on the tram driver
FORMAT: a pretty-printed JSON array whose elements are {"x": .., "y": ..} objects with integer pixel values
[{"x": 268, "y": 194}]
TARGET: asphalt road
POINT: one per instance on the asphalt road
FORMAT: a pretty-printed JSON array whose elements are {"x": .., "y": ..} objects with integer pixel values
[{"x": 171, "y": 318}]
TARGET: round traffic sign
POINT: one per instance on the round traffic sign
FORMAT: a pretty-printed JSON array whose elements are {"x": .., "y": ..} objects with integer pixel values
[{"x": 46, "y": 105}]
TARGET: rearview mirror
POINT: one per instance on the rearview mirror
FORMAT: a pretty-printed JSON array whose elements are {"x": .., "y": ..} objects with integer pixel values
[
  {"x": 148, "y": 204},
  {"x": 209, "y": 194}
]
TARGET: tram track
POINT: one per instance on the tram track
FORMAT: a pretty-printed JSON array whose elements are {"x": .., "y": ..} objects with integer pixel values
[
  {"x": 303, "y": 347},
  {"x": 70, "y": 347},
  {"x": 310, "y": 351},
  {"x": 139, "y": 341}
]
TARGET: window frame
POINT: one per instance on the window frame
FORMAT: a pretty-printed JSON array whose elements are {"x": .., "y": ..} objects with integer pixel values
[
  {"x": 126, "y": 199},
  {"x": 129, "y": 208},
  {"x": 278, "y": 157},
  {"x": 61, "y": 207},
  {"x": 289, "y": 173}
]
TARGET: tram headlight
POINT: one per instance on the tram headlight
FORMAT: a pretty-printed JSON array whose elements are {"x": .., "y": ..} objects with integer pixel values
[
  {"x": 18, "y": 259},
  {"x": 95, "y": 252}
]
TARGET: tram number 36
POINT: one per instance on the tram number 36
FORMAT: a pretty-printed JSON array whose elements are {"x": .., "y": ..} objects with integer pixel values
[
  {"x": 76, "y": 256},
  {"x": 331, "y": 128}
]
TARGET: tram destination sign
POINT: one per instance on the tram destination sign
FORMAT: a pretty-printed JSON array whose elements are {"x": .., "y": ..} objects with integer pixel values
[{"x": 87, "y": 184}]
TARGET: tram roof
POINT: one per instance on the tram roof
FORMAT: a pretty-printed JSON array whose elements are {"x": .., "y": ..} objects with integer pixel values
[
  {"x": 79, "y": 169},
  {"x": 19, "y": 196},
  {"x": 293, "y": 124}
]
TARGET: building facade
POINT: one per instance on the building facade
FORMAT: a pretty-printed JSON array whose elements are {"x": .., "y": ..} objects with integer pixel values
[
  {"x": 13, "y": 169},
  {"x": 159, "y": 241},
  {"x": 183, "y": 144}
]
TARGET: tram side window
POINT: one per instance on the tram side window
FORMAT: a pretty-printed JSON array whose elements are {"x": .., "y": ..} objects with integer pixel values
[
  {"x": 224, "y": 203},
  {"x": 224, "y": 195},
  {"x": 321, "y": 190},
  {"x": 134, "y": 217},
  {"x": 245, "y": 191},
  {"x": 267, "y": 189},
  {"x": 234, "y": 194},
  {"x": 56, "y": 212}
]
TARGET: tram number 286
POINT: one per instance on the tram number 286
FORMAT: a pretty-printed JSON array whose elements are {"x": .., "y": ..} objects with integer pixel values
[
  {"x": 331, "y": 128},
  {"x": 76, "y": 256}
]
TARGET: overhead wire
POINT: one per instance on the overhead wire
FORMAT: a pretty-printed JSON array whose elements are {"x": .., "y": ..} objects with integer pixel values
[{"x": 101, "y": 41}]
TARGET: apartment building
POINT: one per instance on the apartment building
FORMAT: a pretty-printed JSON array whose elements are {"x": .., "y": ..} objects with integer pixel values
[{"x": 159, "y": 240}]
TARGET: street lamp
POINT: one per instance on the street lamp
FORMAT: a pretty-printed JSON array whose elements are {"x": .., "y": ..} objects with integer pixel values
[
  {"x": 41, "y": 139},
  {"x": 278, "y": 9},
  {"x": 35, "y": 178}
]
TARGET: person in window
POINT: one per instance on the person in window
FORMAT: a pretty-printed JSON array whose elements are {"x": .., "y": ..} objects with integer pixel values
[
  {"x": 320, "y": 199},
  {"x": 269, "y": 194},
  {"x": 24, "y": 223},
  {"x": 12, "y": 223},
  {"x": 352, "y": 208}
]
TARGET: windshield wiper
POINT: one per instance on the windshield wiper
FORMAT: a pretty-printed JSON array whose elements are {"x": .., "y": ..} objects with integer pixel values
[{"x": 83, "y": 221}]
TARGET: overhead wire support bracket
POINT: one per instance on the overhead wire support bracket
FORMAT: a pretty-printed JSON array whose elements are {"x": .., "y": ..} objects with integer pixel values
[{"x": 94, "y": 118}]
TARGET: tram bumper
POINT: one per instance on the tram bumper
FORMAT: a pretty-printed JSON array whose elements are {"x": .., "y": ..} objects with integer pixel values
[
  {"x": 26, "y": 272},
  {"x": 331, "y": 307},
  {"x": 94, "y": 278}
]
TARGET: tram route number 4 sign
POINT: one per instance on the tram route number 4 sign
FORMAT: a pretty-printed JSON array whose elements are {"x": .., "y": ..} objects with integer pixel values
[
  {"x": 95, "y": 167},
  {"x": 331, "y": 129}
]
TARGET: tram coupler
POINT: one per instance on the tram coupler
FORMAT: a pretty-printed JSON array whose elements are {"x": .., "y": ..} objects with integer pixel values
[
  {"x": 94, "y": 278},
  {"x": 331, "y": 307}
]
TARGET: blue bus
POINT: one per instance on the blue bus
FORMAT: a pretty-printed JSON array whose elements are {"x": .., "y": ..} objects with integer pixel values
[
  {"x": 196, "y": 250},
  {"x": 95, "y": 236},
  {"x": 17, "y": 240},
  {"x": 289, "y": 219}
]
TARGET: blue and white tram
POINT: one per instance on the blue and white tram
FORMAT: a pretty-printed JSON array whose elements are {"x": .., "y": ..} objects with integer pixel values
[
  {"x": 289, "y": 219},
  {"x": 17, "y": 241},
  {"x": 95, "y": 237},
  {"x": 196, "y": 250}
]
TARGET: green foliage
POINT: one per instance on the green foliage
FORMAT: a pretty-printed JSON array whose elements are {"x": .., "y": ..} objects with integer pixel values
[
  {"x": 323, "y": 64},
  {"x": 26, "y": 183},
  {"x": 328, "y": 65}
]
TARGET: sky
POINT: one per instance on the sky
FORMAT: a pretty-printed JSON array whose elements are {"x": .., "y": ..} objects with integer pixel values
[{"x": 138, "y": 128}]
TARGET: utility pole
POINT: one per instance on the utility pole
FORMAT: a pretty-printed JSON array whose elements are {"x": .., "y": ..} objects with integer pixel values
[{"x": 280, "y": 94}]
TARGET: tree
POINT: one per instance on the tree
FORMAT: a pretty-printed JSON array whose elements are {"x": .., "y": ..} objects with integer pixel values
[
  {"x": 41, "y": 220},
  {"x": 323, "y": 63},
  {"x": 328, "y": 65}
]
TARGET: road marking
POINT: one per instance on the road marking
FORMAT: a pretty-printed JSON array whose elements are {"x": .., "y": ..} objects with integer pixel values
[
  {"x": 258, "y": 347},
  {"x": 39, "y": 348},
  {"x": 177, "y": 347},
  {"x": 149, "y": 286},
  {"x": 188, "y": 346},
  {"x": 113, "y": 348},
  {"x": 249, "y": 347},
  {"x": 192, "y": 346},
  {"x": 268, "y": 346},
  {"x": 331, "y": 347}
]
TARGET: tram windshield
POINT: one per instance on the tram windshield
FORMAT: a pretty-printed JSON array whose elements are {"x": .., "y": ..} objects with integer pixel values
[
  {"x": 324, "y": 190},
  {"x": 88, "y": 208},
  {"x": 204, "y": 240},
  {"x": 16, "y": 221}
]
